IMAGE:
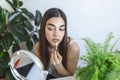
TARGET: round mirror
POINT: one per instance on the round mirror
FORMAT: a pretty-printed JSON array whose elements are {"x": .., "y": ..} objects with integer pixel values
[{"x": 25, "y": 65}]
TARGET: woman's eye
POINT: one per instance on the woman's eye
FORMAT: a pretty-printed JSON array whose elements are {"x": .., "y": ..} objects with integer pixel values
[
  {"x": 50, "y": 29},
  {"x": 62, "y": 29}
]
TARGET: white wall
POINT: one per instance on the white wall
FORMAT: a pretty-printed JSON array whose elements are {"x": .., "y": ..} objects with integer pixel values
[{"x": 86, "y": 18}]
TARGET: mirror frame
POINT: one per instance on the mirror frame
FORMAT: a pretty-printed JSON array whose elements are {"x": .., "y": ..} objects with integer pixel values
[{"x": 32, "y": 57}]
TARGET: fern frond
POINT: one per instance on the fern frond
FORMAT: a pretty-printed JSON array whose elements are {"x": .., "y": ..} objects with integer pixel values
[
  {"x": 99, "y": 57},
  {"x": 91, "y": 46},
  {"x": 112, "y": 47},
  {"x": 106, "y": 45}
]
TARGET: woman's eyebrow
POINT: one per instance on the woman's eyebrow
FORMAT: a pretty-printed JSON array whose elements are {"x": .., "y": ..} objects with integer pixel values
[
  {"x": 51, "y": 24},
  {"x": 62, "y": 25},
  {"x": 54, "y": 25}
]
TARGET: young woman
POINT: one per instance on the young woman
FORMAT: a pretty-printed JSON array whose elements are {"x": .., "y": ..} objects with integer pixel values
[{"x": 58, "y": 52}]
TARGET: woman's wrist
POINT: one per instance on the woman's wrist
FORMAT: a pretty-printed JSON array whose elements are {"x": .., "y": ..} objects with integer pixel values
[{"x": 61, "y": 70}]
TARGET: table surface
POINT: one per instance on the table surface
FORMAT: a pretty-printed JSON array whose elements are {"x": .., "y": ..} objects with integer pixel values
[{"x": 64, "y": 78}]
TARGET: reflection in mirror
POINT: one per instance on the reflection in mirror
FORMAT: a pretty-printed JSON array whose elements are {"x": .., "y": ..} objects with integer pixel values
[{"x": 25, "y": 65}]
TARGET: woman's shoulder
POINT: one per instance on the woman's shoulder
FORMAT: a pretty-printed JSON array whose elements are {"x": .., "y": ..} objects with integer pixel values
[
  {"x": 71, "y": 42},
  {"x": 37, "y": 49},
  {"x": 37, "y": 45},
  {"x": 73, "y": 47}
]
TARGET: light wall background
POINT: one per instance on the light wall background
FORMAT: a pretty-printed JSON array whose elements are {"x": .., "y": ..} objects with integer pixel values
[{"x": 86, "y": 18}]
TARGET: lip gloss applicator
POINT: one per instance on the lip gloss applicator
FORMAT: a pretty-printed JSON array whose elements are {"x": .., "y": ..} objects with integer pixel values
[{"x": 56, "y": 46}]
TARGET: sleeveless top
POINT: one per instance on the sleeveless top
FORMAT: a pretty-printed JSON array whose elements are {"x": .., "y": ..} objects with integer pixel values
[{"x": 51, "y": 69}]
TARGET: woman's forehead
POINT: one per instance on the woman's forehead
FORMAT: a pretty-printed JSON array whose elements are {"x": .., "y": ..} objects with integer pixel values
[{"x": 56, "y": 20}]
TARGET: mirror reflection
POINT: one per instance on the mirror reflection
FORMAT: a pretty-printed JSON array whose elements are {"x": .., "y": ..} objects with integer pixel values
[{"x": 26, "y": 66}]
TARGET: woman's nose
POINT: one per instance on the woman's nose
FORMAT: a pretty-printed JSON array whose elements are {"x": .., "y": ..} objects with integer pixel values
[{"x": 56, "y": 33}]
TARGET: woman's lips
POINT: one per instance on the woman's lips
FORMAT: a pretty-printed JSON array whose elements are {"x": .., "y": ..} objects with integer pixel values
[{"x": 55, "y": 40}]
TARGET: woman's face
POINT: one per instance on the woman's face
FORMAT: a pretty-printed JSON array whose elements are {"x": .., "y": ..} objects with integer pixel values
[{"x": 55, "y": 30}]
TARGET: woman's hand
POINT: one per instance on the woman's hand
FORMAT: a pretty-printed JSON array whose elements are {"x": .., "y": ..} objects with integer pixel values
[{"x": 55, "y": 58}]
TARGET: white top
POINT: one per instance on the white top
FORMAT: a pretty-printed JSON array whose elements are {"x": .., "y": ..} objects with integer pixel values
[{"x": 52, "y": 70}]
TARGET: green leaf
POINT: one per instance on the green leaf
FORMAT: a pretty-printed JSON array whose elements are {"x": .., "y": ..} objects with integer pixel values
[
  {"x": 2, "y": 28},
  {"x": 2, "y": 64},
  {"x": 100, "y": 59},
  {"x": 20, "y": 37},
  {"x": 0, "y": 25},
  {"x": 2, "y": 73},
  {"x": 106, "y": 46},
  {"x": 14, "y": 16},
  {"x": 16, "y": 3},
  {"x": 28, "y": 13},
  {"x": 92, "y": 47},
  {"x": 35, "y": 38},
  {"x": 20, "y": 3},
  {"x": 9, "y": 75},
  {"x": 20, "y": 29},
  {"x": 95, "y": 74},
  {"x": 113, "y": 46},
  {"x": 28, "y": 25},
  {"x": 1, "y": 21},
  {"x": 4, "y": 13},
  {"x": 11, "y": 4},
  {"x": 0, "y": 8},
  {"x": 15, "y": 48},
  {"x": 6, "y": 59},
  {"x": 113, "y": 75},
  {"x": 6, "y": 41},
  {"x": 19, "y": 33},
  {"x": 38, "y": 18},
  {"x": 1, "y": 49},
  {"x": 29, "y": 44},
  {"x": 1, "y": 54}
]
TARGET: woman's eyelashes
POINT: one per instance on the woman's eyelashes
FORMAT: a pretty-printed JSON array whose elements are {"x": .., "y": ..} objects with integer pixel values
[
  {"x": 62, "y": 29},
  {"x": 52, "y": 29}
]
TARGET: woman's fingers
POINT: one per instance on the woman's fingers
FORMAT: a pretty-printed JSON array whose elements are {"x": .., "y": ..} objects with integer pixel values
[
  {"x": 52, "y": 59},
  {"x": 59, "y": 56},
  {"x": 55, "y": 58}
]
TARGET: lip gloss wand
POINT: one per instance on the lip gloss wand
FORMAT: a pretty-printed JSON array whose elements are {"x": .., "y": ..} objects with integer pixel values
[{"x": 56, "y": 46}]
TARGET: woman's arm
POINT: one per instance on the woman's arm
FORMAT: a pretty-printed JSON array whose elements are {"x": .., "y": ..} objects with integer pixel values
[
  {"x": 56, "y": 60},
  {"x": 36, "y": 50},
  {"x": 72, "y": 57},
  {"x": 72, "y": 60}
]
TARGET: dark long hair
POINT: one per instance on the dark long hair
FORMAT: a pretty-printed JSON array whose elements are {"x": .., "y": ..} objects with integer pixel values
[{"x": 44, "y": 53}]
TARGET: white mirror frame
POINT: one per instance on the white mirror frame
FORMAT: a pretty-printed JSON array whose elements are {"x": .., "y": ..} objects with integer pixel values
[{"x": 32, "y": 57}]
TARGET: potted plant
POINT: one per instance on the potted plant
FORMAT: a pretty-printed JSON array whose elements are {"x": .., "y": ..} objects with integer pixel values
[
  {"x": 5, "y": 73},
  {"x": 16, "y": 26},
  {"x": 102, "y": 61}
]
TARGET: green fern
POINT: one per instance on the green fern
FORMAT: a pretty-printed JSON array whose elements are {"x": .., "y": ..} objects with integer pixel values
[
  {"x": 106, "y": 45},
  {"x": 101, "y": 59}
]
